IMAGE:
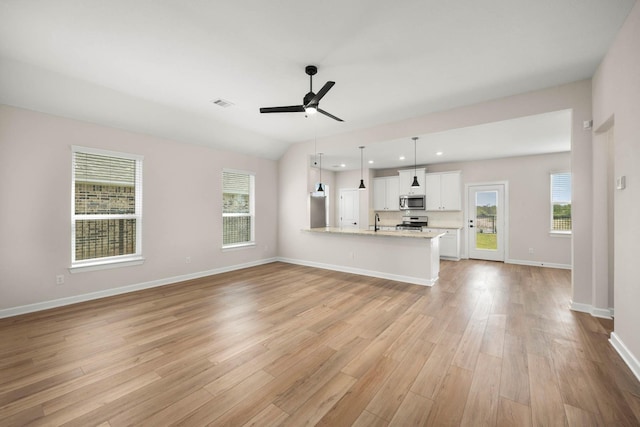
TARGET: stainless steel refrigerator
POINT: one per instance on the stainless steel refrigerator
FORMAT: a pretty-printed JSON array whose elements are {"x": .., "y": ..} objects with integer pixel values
[{"x": 317, "y": 211}]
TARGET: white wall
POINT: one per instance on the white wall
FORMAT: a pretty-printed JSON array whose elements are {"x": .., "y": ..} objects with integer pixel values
[
  {"x": 529, "y": 206},
  {"x": 616, "y": 104},
  {"x": 293, "y": 243},
  {"x": 182, "y": 207}
]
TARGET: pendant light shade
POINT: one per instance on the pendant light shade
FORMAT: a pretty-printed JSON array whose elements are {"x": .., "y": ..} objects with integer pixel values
[
  {"x": 320, "y": 187},
  {"x": 361, "y": 187},
  {"x": 415, "y": 182}
]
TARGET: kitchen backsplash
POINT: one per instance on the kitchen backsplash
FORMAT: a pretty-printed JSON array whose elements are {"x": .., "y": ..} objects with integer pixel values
[{"x": 436, "y": 219}]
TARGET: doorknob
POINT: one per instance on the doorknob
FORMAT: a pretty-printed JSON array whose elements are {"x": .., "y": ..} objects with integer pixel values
[{"x": 355, "y": 223}]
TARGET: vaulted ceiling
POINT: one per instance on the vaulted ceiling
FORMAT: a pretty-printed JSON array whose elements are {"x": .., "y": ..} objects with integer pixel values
[{"x": 156, "y": 66}]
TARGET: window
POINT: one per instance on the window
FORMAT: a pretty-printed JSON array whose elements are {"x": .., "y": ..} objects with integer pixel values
[
  {"x": 238, "y": 209},
  {"x": 106, "y": 211},
  {"x": 561, "y": 202}
]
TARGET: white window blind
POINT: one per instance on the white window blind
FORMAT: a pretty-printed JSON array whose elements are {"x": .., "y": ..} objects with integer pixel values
[
  {"x": 561, "y": 202},
  {"x": 106, "y": 214},
  {"x": 237, "y": 208}
]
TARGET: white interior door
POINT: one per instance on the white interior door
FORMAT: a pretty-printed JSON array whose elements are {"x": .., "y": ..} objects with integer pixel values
[
  {"x": 349, "y": 208},
  {"x": 485, "y": 222}
]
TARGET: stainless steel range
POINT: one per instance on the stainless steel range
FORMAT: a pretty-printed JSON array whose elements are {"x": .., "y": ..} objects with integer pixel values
[{"x": 413, "y": 223}]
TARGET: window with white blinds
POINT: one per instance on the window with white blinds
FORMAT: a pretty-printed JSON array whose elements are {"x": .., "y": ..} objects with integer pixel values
[
  {"x": 561, "y": 202},
  {"x": 238, "y": 208},
  {"x": 106, "y": 211}
]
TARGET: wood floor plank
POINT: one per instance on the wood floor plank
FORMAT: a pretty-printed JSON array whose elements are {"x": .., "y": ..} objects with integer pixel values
[
  {"x": 467, "y": 352},
  {"x": 304, "y": 387},
  {"x": 547, "y": 408},
  {"x": 514, "y": 382},
  {"x": 175, "y": 412},
  {"x": 452, "y": 398},
  {"x": 348, "y": 409},
  {"x": 494, "y": 335},
  {"x": 580, "y": 418},
  {"x": 512, "y": 413},
  {"x": 488, "y": 344},
  {"x": 367, "y": 419},
  {"x": 634, "y": 402},
  {"x": 271, "y": 416},
  {"x": 321, "y": 401},
  {"x": 432, "y": 374},
  {"x": 393, "y": 392},
  {"x": 413, "y": 411},
  {"x": 482, "y": 401},
  {"x": 224, "y": 401}
]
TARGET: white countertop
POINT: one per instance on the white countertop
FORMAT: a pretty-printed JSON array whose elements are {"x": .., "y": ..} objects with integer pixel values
[{"x": 360, "y": 232}]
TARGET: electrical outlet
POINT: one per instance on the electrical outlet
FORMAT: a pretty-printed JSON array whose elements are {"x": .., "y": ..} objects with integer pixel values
[
  {"x": 60, "y": 279},
  {"x": 531, "y": 250},
  {"x": 187, "y": 260}
]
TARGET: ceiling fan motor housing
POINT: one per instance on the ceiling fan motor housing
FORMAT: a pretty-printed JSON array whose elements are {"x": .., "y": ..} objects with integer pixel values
[{"x": 307, "y": 99}]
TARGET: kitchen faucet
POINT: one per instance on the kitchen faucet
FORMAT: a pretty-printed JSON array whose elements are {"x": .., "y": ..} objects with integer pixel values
[{"x": 375, "y": 222}]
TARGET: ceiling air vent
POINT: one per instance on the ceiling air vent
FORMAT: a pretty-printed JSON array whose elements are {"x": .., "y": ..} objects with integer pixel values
[{"x": 222, "y": 103}]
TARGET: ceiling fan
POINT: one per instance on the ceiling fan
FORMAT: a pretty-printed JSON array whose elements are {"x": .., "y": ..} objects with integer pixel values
[{"x": 310, "y": 101}]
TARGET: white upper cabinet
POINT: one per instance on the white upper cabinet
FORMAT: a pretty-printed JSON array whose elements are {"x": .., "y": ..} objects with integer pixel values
[
  {"x": 406, "y": 179},
  {"x": 443, "y": 191},
  {"x": 385, "y": 194}
]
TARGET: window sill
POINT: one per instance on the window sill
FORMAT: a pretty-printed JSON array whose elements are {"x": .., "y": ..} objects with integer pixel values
[
  {"x": 104, "y": 265},
  {"x": 560, "y": 234},
  {"x": 238, "y": 246}
]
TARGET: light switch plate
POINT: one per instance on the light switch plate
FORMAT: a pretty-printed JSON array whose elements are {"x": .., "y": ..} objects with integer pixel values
[{"x": 621, "y": 182}]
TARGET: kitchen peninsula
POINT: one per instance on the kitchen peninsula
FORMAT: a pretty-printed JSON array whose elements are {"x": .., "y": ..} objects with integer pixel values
[{"x": 406, "y": 256}]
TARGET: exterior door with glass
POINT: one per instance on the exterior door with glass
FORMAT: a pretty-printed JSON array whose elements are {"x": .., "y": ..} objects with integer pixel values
[{"x": 485, "y": 222}]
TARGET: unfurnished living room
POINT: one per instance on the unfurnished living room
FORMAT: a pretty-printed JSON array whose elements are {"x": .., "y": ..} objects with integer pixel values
[{"x": 356, "y": 213}]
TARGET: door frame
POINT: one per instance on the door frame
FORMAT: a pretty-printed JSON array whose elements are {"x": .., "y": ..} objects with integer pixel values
[{"x": 505, "y": 236}]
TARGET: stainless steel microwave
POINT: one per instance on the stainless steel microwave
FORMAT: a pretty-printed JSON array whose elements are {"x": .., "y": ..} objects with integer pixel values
[{"x": 412, "y": 202}]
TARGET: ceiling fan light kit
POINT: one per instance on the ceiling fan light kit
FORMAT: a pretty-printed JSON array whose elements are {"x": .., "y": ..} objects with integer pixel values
[{"x": 310, "y": 102}]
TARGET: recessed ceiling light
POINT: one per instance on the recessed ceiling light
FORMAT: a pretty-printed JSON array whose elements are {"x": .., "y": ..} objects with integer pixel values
[
  {"x": 401, "y": 157},
  {"x": 342, "y": 165},
  {"x": 370, "y": 162},
  {"x": 439, "y": 153}
]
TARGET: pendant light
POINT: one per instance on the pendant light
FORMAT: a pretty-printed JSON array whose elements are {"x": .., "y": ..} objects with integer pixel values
[
  {"x": 415, "y": 182},
  {"x": 361, "y": 187},
  {"x": 320, "y": 187}
]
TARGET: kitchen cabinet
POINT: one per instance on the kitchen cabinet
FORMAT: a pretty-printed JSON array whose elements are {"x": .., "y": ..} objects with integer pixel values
[
  {"x": 385, "y": 194},
  {"x": 406, "y": 179},
  {"x": 449, "y": 242},
  {"x": 443, "y": 191}
]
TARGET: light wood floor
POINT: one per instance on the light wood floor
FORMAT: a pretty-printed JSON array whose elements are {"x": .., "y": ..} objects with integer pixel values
[{"x": 490, "y": 344}]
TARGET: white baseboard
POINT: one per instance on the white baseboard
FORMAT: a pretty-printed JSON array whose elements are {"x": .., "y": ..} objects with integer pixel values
[
  {"x": 45, "y": 305},
  {"x": 628, "y": 357},
  {"x": 361, "y": 272},
  {"x": 538, "y": 264},
  {"x": 605, "y": 313}
]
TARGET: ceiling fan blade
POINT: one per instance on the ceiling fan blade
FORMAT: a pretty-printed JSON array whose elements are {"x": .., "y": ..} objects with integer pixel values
[
  {"x": 288, "y": 109},
  {"x": 329, "y": 115},
  {"x": 321, "y": 93}
]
